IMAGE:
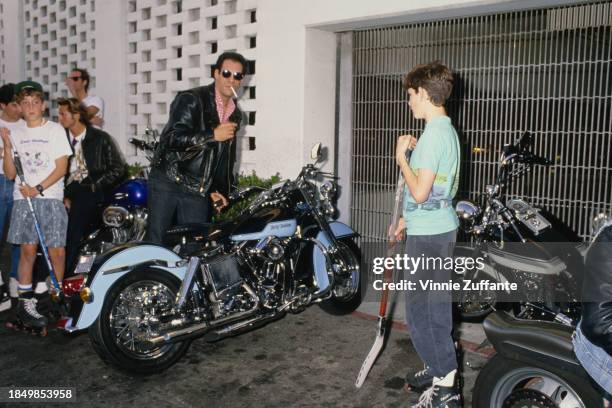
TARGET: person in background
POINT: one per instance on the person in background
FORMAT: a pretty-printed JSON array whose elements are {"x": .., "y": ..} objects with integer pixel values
[
  {"x": 95, "y": 168},
  {"x": 10, "y": 118},
  {"x": 78, "y": 84}
]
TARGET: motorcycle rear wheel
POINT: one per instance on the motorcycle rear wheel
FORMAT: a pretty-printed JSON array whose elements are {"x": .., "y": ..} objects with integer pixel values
[
  {"x": 126, "y": 319},
  {"x": 347, "y": 296},
  {"x": 501, "y": 377}
]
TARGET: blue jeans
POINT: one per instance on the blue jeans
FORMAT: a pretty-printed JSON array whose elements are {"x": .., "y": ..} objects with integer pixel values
[
  {"x": 429, "y": 314},
  {"x": 594, "y": 359},
  {"x": 6, "y": 205}
]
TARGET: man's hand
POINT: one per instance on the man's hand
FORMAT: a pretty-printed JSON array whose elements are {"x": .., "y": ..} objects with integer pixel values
[
  {"x": 6, "y": 139},
  {"x": 405, "y": 142},
  {"x": 398, "y": 234},
  {"x": 28, "y": 191},
  {"x": 67, "y": 203},
  {"x": 225, "y": 131},
  {"x": 219, "y": 201}
]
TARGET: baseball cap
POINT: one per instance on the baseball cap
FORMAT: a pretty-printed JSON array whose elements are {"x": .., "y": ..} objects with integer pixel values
[{"x": 28, "y": 84}]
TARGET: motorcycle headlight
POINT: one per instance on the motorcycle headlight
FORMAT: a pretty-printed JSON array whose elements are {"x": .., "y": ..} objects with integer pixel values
[
  {"x": 116, "y": 217},
  {"x": 600, "y": 221},
  {"x": 328, "y": 189},
  {"x": 467, "y": 212}
]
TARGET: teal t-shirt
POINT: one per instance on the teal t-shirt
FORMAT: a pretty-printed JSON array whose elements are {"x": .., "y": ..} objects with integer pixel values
[{"x": 438, "y": 151}]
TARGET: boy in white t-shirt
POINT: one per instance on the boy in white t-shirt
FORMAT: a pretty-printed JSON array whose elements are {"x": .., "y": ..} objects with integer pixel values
[
  {"x": 44, "y": 150},
  {"x": 10, "y": 118}
]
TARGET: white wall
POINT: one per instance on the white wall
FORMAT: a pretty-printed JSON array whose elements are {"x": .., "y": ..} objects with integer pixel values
[
  {"x": 297, "y": 65},
  {"x": 11, "y": 41}
]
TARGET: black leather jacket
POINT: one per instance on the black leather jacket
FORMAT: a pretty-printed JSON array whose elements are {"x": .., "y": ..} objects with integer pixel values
[
  {"x": 597, "y": 315},
  {"x": 105, "y": 165},
  {"x": 187, "y": 152}
]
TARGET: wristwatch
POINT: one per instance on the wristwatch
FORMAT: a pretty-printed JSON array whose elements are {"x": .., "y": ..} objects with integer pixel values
[{"x": 40, "y": 189}]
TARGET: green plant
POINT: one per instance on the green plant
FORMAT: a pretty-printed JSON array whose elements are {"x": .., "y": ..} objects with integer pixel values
[
  {"x": 134, "y": 170},
  {"x": 246, "y": 180}
]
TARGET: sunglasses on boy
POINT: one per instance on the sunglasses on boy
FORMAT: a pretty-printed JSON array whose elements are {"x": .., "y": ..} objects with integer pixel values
[
  {"x": 75, "y": 78},
  {"x": 237, "y": 75}
]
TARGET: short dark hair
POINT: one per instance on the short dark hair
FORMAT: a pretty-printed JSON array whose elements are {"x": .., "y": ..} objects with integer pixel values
[
  {"x": 84, "y": 76},
  {"x": 435, "y": 78},
  {"x": 75, "y": 106},
  {"x": 7, "y": 94},
  {"x": 233, "y": 56}
]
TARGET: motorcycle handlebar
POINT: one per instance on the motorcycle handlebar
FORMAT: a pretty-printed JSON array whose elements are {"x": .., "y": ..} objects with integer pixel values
[{"x": 141, "y": 144}]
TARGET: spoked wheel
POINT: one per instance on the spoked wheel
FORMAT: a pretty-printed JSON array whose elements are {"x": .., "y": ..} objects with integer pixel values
[
  {"x": 346, "y": 294},
  {"x": 504, "y": 381},
  {"x": 527, "y": 398},
  {"x": 131, "y": 315}
]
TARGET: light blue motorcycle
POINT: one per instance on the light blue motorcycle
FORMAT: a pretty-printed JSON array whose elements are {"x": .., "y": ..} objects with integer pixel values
[{"x": 143, "y": 303}]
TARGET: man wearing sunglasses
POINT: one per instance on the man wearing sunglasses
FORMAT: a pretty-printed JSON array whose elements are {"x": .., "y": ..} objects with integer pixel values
[
  {"x": 78, "y": 84},
  {"x": 193, "y": 166}
]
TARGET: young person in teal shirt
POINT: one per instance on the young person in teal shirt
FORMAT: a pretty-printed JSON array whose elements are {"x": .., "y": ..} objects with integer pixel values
[{"x": 429, "y": 221}]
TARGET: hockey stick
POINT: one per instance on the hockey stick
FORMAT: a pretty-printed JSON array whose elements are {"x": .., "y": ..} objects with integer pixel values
[
  {"x": 387, "y": 276},
  {"x": 41, "y": 237}
]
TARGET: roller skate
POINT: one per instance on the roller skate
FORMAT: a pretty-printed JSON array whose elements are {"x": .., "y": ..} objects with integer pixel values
[
  {"x": 5, "y": 299},
  {"x": 28, "y": 319}
]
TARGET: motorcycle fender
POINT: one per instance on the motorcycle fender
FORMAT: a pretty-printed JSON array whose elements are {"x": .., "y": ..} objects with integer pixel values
[
  {"x": 119, "y": 265},
  {"x": 340, "y": 230}
]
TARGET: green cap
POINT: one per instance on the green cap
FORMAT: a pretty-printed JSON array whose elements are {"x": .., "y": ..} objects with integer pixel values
[{"x": 28, "y": 84}]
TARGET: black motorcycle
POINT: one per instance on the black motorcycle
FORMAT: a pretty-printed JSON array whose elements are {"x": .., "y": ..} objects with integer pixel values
[
  {"x": 519, "y": 243},
  {"x": 534, "y": 366},
  {"x": 143, "y": 303}
]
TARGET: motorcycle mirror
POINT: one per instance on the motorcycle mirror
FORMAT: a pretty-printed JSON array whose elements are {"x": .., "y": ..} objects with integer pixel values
[
  {"x": 315, "y": 152},
  {"x": 524, "y": 142}
]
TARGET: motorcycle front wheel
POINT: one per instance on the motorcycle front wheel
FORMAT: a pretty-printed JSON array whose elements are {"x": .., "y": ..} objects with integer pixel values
[
  {"x": 346, "y": 294},
  {"x": 501, "y": 380},
  {"x": 130, "y": 316}
]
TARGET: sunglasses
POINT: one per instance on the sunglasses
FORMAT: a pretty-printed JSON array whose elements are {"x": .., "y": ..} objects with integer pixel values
[
  {"x": 75, "y": 78},
  {"x": 237, "y": 75}
]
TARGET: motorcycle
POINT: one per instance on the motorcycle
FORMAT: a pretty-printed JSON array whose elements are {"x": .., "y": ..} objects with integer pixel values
[
  {"x": 124, "y": 218},
  {"x": 534, "y": 366},
  {"x": 143, "y": 304},
  {"x": 548, "y": 275}
]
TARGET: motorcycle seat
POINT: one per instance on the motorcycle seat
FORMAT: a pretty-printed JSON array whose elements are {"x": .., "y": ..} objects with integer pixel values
[{"x": 542, "y": 340}]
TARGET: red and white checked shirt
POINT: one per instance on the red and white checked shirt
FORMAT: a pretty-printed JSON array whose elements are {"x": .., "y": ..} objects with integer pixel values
[{"x": 224, "y": 114}]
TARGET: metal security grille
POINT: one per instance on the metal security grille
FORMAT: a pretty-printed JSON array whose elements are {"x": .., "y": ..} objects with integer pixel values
[{"x": 543, "y": 71}]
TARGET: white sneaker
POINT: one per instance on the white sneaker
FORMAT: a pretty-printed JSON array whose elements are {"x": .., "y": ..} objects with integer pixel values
[
  {"x": 41, "y": 287},
  {"x": 5, "y": 301},
  {"x": 13, "y": 287}
]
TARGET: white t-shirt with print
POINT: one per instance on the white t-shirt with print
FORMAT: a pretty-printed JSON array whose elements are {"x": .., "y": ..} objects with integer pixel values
[
  {"x": 38, "y": 149},
  {"x": 10, "y": 126},
  {"x": 92, "y": 100}
]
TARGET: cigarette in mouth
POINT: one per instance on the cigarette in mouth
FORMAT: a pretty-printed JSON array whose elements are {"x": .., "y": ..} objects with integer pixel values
[{"x": 234, "y": 92}]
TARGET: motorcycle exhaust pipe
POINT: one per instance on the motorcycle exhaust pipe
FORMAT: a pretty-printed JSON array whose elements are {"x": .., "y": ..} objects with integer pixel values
[{"x": 199, "y": 329}]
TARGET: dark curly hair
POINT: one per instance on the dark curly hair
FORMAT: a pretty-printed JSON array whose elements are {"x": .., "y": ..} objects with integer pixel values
[{"x": 435, "y": 78}]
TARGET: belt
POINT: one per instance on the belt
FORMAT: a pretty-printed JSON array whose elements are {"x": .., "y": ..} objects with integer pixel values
[{"x": 428, "y": 205}]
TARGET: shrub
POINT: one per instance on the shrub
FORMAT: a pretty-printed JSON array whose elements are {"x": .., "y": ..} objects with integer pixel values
[{"x": 243, "y": 182}]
